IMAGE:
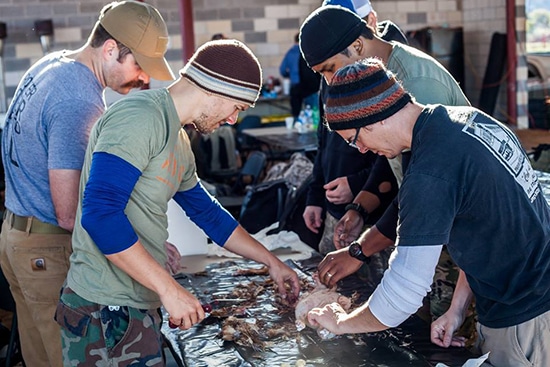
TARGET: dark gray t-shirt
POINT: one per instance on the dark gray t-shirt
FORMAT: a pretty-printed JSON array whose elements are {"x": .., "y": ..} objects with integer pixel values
[
  {"x": 47, "y": 127},
  {"x": 470, "y": 185}
]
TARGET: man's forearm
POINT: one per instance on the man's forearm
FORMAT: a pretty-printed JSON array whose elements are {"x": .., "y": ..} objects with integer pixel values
[
  {"x": 143, "y": 268},
  {"x": 367, "y": 200},
  {"x": 241, "y": 243},
  {"x": 373, "y": 241},
  {"x": 462, "y": 295},
  {"x": 361, "y": 320},
  {"x": 64, "y": 191}
]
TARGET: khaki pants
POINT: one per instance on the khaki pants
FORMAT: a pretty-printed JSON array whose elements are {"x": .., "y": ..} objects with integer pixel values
[
  {"x": 36, "y": 266},
  {"x": 526, "y": 344}
]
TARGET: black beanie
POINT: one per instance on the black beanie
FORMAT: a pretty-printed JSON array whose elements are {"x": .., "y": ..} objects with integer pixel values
[{"x": 327, "y": 31}]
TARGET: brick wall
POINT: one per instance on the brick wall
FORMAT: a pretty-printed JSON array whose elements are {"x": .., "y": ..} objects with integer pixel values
[{"x": 267, "y": 26}]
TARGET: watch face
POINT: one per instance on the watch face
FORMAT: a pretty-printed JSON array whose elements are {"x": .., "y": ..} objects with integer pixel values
[{"x": 355, "y": 250}]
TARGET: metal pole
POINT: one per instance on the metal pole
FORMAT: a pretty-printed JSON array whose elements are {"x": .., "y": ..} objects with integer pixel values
[{"x": 187, "y": 31}]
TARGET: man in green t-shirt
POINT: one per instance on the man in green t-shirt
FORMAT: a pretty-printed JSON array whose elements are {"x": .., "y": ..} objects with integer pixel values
[{"x": 138, "y": 159}]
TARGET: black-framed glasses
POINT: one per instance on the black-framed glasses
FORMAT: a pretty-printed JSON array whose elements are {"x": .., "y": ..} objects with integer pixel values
[{"x": 353, "y": 143}]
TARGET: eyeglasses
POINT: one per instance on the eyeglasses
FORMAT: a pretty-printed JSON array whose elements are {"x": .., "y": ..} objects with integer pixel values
[{"x": 353, "y": 143}]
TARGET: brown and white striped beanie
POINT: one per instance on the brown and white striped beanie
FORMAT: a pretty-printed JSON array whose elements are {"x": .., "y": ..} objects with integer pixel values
[{"x": 227, "y": 68}]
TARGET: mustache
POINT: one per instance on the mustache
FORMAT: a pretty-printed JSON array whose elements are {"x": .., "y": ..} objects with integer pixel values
[{"x": 134, "y": 84}]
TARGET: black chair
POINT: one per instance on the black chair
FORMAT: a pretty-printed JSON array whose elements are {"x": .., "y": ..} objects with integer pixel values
[
  {"x": 13, "y": 350},
  {"x": 220, "y": 150},
  {"x": 249, "y": 175},
  {"x": 246, "y": 144}
]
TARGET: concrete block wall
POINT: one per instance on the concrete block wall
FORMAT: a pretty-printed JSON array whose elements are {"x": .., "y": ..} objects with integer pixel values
[
  {"x": 72, "y": 21},
  {"x": 481, "y": 20},
  {"x": 267, "y": 26}
]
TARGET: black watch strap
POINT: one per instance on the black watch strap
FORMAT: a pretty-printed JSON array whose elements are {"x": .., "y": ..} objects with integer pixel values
[
  {"x": 356, "y": 252},
  {"x": 359, "y": 209}
]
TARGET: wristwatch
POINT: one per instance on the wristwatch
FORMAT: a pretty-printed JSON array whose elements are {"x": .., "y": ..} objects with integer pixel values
[
  {"x": 356, "y": 251},
  {"x": 359, "y": 209}
]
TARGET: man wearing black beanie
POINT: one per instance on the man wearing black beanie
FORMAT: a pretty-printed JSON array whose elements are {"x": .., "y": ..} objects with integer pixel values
[
  {"x": 339, "y": 177},
  {"x": 346, "y": 39}
]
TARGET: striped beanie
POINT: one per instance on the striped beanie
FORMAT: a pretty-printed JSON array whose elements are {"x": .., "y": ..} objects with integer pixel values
[
  {"x": 226, "y": 68},
  {"x": 363, "y": 93}
]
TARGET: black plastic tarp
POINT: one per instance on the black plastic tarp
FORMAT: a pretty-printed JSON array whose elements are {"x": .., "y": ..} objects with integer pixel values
[{"x": 202, "y": 345}]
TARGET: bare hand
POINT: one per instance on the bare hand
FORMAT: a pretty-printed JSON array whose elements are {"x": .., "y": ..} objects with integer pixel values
[
  {"x": 443, "y": 329},
  {"x": 338, "y": 191},
  {"x": 336, "y": 266},
  {"x": 327, "y": 317},
  {"x": 347, "y": 229},
  {"x": 312, "y": 218},
  {"x": 173, "y": 262},
  {"x": 287, "y": 282},
  {"x": 184, "y": 309}
]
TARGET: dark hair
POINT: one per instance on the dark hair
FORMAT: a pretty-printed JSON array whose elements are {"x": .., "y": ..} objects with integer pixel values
[
  {"x": 367, "y": 33},
  {"x": 100, "y": 35},
  {"x": 218, "y": 36}
]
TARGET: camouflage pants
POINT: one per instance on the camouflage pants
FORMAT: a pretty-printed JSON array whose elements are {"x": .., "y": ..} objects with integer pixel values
[
  {"x": 443, "y": 286},
  {"x": 99, "y": 335},
  {"x": 326, "y": 244}
]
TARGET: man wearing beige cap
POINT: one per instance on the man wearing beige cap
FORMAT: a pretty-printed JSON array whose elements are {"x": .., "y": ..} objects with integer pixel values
[
  {"x": 46, "y": 131},
  {"x": 137, "y": 160}
]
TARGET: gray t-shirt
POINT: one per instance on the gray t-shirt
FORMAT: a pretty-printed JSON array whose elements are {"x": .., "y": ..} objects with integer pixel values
[
  {"x": 47, "y": 127},
  {"x": 426, "y": 80}
]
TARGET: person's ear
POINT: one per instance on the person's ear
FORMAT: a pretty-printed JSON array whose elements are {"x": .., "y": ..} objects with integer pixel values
[
  {"x": 110, "y": 48},
  {"x": 371, "y": 19},
  {"x": 358, "y": 46}
]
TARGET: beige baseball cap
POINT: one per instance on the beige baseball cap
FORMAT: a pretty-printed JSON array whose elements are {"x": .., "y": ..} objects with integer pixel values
[{"x": 140, "y": 27}]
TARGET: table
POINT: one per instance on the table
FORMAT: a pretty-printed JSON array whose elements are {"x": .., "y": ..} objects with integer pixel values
[
  {"x": 213, "y": 274},
  {"x": 202, "y": 345},
  {"x": 274, "y": 106},
  {"x": 279, "y": 138}
]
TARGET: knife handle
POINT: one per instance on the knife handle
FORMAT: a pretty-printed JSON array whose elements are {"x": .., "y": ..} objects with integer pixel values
[
  {"x": 206, "y": 308},
  {"x": 172, "y": 325}
]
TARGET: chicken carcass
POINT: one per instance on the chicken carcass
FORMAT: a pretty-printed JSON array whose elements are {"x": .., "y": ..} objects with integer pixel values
[{"x": 319, "y": 296}]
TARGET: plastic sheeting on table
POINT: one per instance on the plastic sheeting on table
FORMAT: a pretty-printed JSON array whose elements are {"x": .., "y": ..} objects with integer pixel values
[{"x": 202, "y": 345}]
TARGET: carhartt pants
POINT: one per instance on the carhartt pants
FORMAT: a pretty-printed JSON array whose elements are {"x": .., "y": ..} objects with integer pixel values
[{"x": 36, "y": 266}]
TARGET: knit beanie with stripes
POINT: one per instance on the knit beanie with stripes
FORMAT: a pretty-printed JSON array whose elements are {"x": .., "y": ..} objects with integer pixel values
[
  {"x": 363, "y": 93},
  {"x": 226, "y": 68}
]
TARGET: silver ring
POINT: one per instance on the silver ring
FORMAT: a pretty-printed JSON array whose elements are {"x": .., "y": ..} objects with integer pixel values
[{"x": 329, "y": 274}]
